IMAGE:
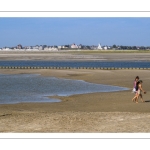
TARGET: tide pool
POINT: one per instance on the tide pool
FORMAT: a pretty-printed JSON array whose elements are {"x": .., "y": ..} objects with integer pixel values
[{"x": 24, "y": 88}]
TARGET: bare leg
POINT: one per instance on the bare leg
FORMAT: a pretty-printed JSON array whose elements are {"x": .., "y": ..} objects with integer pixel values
[
  {"x": 134, "y": 98},
  {"x": 137, "y": 97},
  {"x": 141, "y": 98}
]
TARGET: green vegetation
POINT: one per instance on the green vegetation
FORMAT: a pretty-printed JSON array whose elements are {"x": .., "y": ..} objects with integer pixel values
[{"x": 103, "y": 51}]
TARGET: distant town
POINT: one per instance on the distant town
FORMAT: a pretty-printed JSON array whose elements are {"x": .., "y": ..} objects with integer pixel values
[{"x": 73, "y": 47}]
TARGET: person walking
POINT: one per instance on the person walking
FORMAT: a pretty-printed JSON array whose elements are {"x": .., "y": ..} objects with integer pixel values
[
  {"x": 134, "y": 90},
  {"x": 139, "y": 92},
  {"x": 135, "y": 83}
]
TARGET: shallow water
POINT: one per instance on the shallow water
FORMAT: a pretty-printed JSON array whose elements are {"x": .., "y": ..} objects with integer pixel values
[
  {"x": 75, "y": 64},
  {"x": 23, "y": 88}
]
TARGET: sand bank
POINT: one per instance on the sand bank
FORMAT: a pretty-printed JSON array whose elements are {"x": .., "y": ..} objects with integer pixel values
[
  {"x": 76, "y": 55},
  {"x": 112, "y": 112}
]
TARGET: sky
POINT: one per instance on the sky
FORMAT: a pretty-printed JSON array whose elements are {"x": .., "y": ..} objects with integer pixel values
[{"x": 28, "y": 31}]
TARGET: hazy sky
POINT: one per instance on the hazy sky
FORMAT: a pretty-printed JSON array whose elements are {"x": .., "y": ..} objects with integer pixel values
[{"x": 86, "y": 31}]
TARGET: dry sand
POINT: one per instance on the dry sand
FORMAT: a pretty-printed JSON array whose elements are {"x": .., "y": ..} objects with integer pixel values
[{"x": 112, "y": 112}]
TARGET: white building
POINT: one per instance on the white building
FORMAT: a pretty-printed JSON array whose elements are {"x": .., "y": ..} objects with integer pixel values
[
  {"x": 35, "y": 47},
  {"x": 74, "y": 46},
  {"x": 6, "y": 49},
  {"x": 50, "y": 48},
  {"x": 105, "y": 48},
  {"x": 41, "y": 47},
  {"x": 99, "y": 46},
  {"x": 59, "y": 47}
]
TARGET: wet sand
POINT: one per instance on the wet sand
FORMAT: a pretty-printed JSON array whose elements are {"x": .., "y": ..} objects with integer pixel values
[
  {"x": 96, "y": 112},
  {"x": 85, "y": 55},
  {"x": 112, "y": 112}
]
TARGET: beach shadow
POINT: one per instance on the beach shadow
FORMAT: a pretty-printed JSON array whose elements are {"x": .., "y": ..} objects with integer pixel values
[
  {"x": 5, "y": 115},
  {"x": 147, "y": 101}
]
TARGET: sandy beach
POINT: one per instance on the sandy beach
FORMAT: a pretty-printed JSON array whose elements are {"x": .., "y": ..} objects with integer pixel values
[{"x": 112, "y": 112}]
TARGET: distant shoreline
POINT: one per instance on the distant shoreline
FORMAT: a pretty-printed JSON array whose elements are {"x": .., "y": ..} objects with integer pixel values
[
  {"x": 77, "y": 55},
  {"x": 77, "y": 50}
]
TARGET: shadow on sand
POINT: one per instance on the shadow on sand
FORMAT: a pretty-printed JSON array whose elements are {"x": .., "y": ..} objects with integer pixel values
[{"x": 147, "y": 101}]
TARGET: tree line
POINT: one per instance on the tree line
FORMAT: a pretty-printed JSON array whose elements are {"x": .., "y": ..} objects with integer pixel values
[{"x": 130, "y": 47}]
